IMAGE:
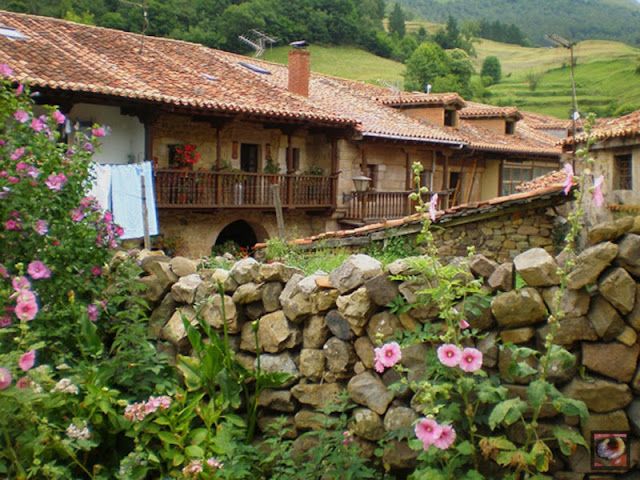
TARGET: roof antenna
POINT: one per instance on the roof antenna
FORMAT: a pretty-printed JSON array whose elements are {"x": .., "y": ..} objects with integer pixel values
[{"x": 260, "y": 44}]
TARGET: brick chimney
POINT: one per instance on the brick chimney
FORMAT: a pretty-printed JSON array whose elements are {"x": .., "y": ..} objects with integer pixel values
[{"x": 299, "y": 71}]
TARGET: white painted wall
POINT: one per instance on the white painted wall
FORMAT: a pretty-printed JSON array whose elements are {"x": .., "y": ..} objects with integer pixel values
[{"x": 125, "y": 139}]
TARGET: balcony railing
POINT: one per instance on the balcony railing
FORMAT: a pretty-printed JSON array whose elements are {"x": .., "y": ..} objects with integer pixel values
[
  {"x": 373, "y": 206},
  {"x": 370, "y": 207},
  {"x": 201, "y": 189}
]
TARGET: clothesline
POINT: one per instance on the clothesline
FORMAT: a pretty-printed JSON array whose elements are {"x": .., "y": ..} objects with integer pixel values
[{"x": 118, "y": 188}]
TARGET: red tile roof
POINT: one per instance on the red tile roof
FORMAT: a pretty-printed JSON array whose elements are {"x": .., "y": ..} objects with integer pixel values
[
  {"x": 553, "y": 179},
  {"x": 481, "y": 110},
  {"x": 70, "y": 57},
  {"x": 625, "y": 126},
  {"x": 402, "y": 99},
  {"x": 543, "y": 193},
  {"x": 78, "y": 58},
  {"x": 539, "y": 121},
  {"x": 524, "y": 140}
]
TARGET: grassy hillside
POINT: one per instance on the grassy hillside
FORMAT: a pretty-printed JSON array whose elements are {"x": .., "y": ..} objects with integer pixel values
[
  {"x": 346, "y": 62},
  {"x": 605, "y": 74}
]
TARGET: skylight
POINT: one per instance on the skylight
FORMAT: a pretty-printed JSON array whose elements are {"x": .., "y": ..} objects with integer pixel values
[
  {"x": 255, "y": 68},
  {"x": 11, "y": 33}
]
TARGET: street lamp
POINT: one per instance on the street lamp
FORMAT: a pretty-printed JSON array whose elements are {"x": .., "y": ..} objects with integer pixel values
[{"x": 361, "y": 184}]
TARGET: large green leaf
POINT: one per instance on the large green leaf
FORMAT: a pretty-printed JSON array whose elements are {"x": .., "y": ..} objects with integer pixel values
[
  {"x": 507, "y": 411},
  {"x": 190, "y": 367},
  {"x": 537, "y": 393},
  {"x": 568, "y": 439}
]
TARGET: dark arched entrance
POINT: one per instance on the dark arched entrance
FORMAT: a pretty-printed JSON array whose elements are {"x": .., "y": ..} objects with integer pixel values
[{"x": 239, "y": 232}]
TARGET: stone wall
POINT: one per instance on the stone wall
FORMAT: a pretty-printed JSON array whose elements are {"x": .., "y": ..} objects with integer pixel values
[{"x": 323, "y": 328}]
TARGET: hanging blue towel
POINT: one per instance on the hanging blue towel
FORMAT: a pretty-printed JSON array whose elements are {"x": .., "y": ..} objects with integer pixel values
[{"x": 126, "y": 199}]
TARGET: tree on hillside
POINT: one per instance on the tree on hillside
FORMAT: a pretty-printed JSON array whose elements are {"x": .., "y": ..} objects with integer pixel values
[
  {"x": 425, "y": 64},
  {"x": 396, "y": 22},
  {"x": 451, "y": 37},
  {"x": 491, "y": 68}
]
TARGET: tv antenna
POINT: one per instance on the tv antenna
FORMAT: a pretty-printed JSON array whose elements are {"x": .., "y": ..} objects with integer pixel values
[
  {"x": 258, "y": 41},
  {"x": 395, "y": 86}
]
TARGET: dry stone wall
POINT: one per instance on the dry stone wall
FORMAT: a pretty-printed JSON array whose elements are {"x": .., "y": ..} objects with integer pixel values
[{"x": 323, "y": 328}]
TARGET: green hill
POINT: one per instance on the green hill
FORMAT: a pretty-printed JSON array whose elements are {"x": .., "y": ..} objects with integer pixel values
[
  {"x": 605, "y": 73},
  {"x": 574, "y": 19}
]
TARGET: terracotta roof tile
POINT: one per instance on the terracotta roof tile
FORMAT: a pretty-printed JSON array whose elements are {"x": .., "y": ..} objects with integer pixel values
[
  {"x": 524, "y": 140},
  {"x": 400, "y": 99},
  {"x": 625, "y": 126},
  {"x": 443, "y": 216},
  {"x": 482, "y": 110},
  {"x": 552, "y": 179},
  {"x": 68, "y": 56}
]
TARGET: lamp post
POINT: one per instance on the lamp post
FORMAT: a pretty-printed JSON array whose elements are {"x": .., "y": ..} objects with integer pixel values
[
  {"x": 564, "y": 43},
  {"x": 361, "y": 184}
]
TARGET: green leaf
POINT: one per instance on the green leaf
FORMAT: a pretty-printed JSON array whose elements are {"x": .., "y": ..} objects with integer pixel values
[
  {"x": 507, "y": 411},
  {"x": 568, "y": 439},
  {"x": 89, "y": 333},
  {"x": 536, "y": 391},
  {"x": 561, "y": 356},
  {"x": 194, "y": 451},
  {"x": 571, "y": 407},
  {"x": 190, "y": 367},
  {"x": 465, "y": 448},
  {"x": 198, "y": 435},
  {"x": 168, "y": 438},
  {"x": 195, "y": 339},
  {"x": 272, "y": 379}
]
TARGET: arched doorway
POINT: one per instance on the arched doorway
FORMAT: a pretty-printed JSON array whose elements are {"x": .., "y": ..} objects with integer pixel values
[{"x": 239, "y": 232}]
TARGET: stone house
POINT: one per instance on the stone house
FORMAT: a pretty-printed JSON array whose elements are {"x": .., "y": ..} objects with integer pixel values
[
  {"x": 616, "y": 152},
  {"x": 255, "y": 124}
]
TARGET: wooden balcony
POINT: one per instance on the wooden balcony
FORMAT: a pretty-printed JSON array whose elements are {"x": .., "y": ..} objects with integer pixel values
[
  {"x": 370, "y": 207},
  {"x": 207, "y": 190}
]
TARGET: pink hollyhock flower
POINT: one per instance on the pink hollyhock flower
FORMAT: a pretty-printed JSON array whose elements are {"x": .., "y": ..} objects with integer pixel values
[
  {"x": 21, "y": 166},
  {"x": 17, "y": 153},
  {"x": 33, "y": 172},
  {"x": 568, "y": 182},
  {"x": 76, "y": 215},
  {"x": 598, "y": 197},
  {"x": 433, "y": 207},
  {"x": 463, "y": 324},
  {"x": 55, "y": 182},
  {"x": 98, "y": 132},
  {"x": 14, "y": 180},
  {"x": 27, "y": 361},
  {"x": 379, "y": 366},
  {"x": 449, "y": 355},
  {"x": 471, "y": 360},
  {"x": 5, "y": 69},
  {"x": 38, "y": 270},
  {"x": 24, "y": 382},
  {"x": 446, "y": 438},
  {"x": 24, "y": 296},
  {"x": 428, "y": 431},
  {"x": 20, "y": 283},
  {"x": 87, "y": 147},
  {"x": 5, "y": 321},
  {"x": 389, "y": 354},
  {"x": 59, "y": 117},
  {"x": 26, "y": 311},
  {"x": 96, "y": 271},
  {"x": 39, "y": 123},
  {"x": 119, "y": 231},
  {"x": 92, "y": 312},
  {"x": 41, "y": 227},
  {"x": 19, "y": 90},
  {"x": 13, "y": 225},
  {"x": 21, "y": 116},
  {"x": 5, "y": 378}
]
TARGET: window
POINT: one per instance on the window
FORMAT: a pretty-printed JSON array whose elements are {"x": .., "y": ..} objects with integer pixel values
[
  {"x": 622, "y": 175},
  {"x": 425, "y": 178},
  {"x": 249, "y": 154},
  {"x": 450, "y": 118},
  {"x": 295, "y": 157},
  {"x": 514, "y": 173},
  {"x": 510, "y": 127}
]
